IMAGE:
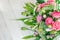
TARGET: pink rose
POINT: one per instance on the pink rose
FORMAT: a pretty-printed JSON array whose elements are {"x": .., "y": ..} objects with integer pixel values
[
  {"x": 48, "y": 21},
  {"x": 56, "y": 25},
  {"x": 55, "y": 14},
  {"x": 38, "y": 18}
]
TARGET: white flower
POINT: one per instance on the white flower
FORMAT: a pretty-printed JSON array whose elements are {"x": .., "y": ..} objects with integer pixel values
[{"x": 48, "y": 29}]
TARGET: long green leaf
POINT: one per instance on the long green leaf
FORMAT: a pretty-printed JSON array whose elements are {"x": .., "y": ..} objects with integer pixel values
[
  {"x": 28, "y": 37},
  {"x": 40, "y": 1},
  {"x": 24, "y": 28}
]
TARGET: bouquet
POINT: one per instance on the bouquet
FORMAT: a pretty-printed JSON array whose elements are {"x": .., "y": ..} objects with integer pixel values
[{"x": 43, "y": 18}]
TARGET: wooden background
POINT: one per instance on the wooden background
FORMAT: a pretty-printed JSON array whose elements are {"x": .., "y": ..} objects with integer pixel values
[{"x": 9, "y": 27}]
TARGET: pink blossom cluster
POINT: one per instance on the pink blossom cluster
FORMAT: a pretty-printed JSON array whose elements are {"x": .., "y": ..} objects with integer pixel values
[
  {"x": 55, "y": 25},
  {"x": 49, "y": 21},
  {"x": 44, "y": 4}
]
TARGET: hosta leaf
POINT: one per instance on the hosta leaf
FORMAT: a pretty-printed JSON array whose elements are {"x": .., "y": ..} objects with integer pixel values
[
  {"x": 24, "y": 28},
  {"x": 40, "y": 1},
  {"x": 28, "y": 37}
]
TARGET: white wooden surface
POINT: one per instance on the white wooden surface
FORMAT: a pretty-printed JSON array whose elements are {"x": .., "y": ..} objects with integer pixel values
[{"x": 10, "y": 28}]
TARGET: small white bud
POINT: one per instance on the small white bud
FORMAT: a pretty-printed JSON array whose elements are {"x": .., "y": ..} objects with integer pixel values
[{"x": 44, "y": 16}]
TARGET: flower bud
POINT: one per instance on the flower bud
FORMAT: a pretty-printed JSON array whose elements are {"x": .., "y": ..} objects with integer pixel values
[
  {"x": 35, "y": 33},
  {"x": 49, "y": 26},
  {"x": 44, "y": 16}
]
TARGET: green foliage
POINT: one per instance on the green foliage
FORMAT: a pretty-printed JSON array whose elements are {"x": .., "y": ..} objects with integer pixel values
[
  {"x": 40, "y": 1},
  {"x": 42, "y": 25},
  {"x": 24, "y": 28},
  {"x": 28, "y": 21},
  {"x": 58, "y": 4},
  {"x": 29, "y": 9},
  {"x": 50, "y": 39},
  {"x": 25, "y": 13},
  {"x": 42, "y": 30},
  {"x": 31, "y": 21},
  {"x": 49, "y": 7},
  {"x": 37, "y": 38},
  {"x": 57, "y": 33},
  {"x": 45, "y": 10},
  {"x": 28, "y": 37}
]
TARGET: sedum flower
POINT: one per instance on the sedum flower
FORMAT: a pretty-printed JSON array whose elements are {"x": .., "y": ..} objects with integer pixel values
[{"x": 38, "y": 18}]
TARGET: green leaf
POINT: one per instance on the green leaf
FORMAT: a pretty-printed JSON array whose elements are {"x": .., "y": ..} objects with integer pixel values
[
  {"x": 22, "y": 19},
  {"x": 24, "y": 28},
  {"x": 57, "y": 33},
  {"x": 50, "y": 39},
  {"x": 32, "y": 5},
  {"x": 25, "y": 13},
  {"x": 42, "y": 30},
  {"x": 28, "y": 7},
  {"x": 37, "y": 38},
  {"x": 58, "y": 4},
  {"x": 40, "y": 1},
  {"x": 49, "y": 7},
  {"x": 28, "y": 37},
  {"x": 46, "y": 9},
  {"x": 42, "y": 24},
  {"x": 28, "y": 21}
]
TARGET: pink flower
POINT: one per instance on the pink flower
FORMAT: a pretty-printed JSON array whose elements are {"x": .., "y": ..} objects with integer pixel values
[
  {"x": 38, "y": 18},
  {"x": 48, "y": 21},
  {"x": 50, "y": 0},
  {"x": 55, "y": 14},
  {"x": 44, "y": 4},
  {"x": 56, "y": 25},
  {"x": 40, "y": 6}
]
